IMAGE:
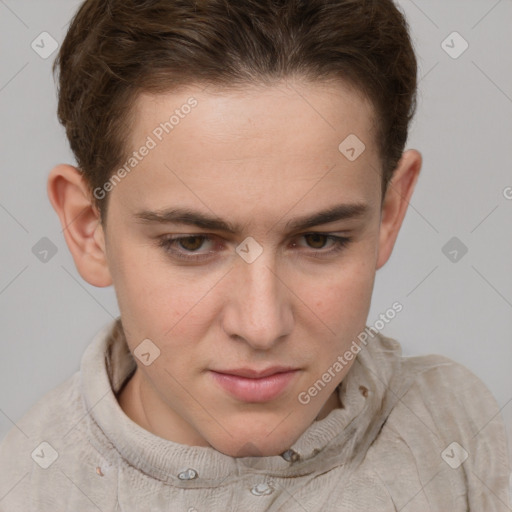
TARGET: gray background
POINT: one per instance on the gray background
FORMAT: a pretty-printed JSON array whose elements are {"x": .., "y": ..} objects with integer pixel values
[{"x": 463, "y": 128}]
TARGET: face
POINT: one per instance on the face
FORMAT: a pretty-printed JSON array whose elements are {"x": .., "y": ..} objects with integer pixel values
[{"x": 214, "y": 261}]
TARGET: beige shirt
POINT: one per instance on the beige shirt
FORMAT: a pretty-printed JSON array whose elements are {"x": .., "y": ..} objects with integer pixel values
[{"x": 414, "y": 434}]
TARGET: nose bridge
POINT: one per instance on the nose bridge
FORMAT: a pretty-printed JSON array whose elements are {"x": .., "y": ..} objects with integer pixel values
[{"x": 260, "y": 313}]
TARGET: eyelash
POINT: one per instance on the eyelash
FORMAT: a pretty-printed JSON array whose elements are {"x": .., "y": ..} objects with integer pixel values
[{"x": 167, "y": 243}]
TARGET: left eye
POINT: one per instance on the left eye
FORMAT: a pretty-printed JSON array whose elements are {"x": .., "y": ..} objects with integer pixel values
[
  {"x": 191, "y": 243},
  {"x": 317, "y": 239}
]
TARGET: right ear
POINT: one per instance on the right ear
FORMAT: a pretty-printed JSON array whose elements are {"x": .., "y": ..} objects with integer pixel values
[{"x": 81, "y": 223}]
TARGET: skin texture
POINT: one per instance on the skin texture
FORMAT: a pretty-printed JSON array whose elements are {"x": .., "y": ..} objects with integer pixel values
[{"x": 257, "y": 158}]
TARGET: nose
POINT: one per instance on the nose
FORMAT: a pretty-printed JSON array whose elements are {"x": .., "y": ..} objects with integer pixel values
[{"x": 260, "y": 309}]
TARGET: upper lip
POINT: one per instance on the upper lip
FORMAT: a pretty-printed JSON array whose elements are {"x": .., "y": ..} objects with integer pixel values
[{"x": 257, "y": 374}]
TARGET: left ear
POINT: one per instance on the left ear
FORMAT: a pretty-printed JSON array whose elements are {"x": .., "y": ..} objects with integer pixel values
[{"x": 395, "y": 203}]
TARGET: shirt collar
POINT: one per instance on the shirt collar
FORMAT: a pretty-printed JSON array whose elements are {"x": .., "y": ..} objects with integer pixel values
[{"x": 368, "y": 393}]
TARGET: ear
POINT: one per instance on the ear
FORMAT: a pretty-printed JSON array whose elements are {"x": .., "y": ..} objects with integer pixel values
[
  {"x": 395, "y": 203},
  {"x": 80, "y": 220}
]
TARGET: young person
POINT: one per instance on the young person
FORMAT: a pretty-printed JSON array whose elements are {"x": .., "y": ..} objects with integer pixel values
[{"x": 241, "y": 177}]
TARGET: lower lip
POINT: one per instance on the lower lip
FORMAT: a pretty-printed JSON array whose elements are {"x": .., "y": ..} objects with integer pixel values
[{"x": 254, "y": 390}]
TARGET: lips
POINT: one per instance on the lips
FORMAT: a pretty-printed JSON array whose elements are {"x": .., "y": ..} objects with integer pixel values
[
  {"x": 256, "y": 374},
  {"x": 250, "y": 385}
]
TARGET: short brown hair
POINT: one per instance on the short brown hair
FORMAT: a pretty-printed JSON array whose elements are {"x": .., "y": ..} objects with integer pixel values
[{"x": 115, "y": 49}]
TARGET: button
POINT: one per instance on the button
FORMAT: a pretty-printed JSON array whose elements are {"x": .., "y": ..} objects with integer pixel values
[
  {"x": 262, "y": 490},
  {"x": 188, "y": 474},
  {"x": 290, "y": 456},
  {"x": 104, "y": 469},
  {"x": 364, "y": 390}
]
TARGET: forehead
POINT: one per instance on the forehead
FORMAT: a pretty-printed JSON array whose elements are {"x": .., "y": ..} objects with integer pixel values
[
  {"x": 269, "y": 143},
  {"x": 243, "y": 111}
]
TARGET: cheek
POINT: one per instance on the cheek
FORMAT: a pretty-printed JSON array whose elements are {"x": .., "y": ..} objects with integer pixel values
[
  {"x": 344, "y": 295},
  {"x": 174, "y": 306},
  {"x": 150, "y": 293},
  {"x": 341, "y": 303}
]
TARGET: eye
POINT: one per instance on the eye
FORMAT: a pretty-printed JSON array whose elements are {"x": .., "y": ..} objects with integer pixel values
[
  {"x": 318, "y": 242},
  {"x": 186, "y": 244},
  {"x": 317, "y": 239},
  {"x": 191, "y": 243}
]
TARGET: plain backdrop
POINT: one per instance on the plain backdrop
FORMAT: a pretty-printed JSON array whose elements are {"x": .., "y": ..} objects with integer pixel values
[{"x": 454, "y": 303}]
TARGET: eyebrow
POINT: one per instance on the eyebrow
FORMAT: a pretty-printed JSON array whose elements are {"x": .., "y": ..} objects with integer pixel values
[{"x": 205, "y": 221}]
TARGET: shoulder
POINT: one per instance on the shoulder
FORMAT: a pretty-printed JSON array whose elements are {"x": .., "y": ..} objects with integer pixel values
[
  {"x": 36, "y": 441},
  {"x": 437, "y": 383},
  {"x": 449, "y": 397},
  {"x": 448, "y": 418},
  {"x": 434, "y": 391},
  {"x": 448, "y": 389},
  {"x": 52, "y": 413}
]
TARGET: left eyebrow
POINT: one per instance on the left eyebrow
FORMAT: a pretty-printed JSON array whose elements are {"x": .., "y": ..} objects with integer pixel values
[
  {"x": 205, "y": 221},
  {"x": 333, "y": 214}
]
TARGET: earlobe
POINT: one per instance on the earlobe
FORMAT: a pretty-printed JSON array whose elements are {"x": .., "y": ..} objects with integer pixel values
[
  {"x": 395, "y": 204},
  {"x": 70, "y": 197}
]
